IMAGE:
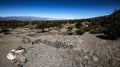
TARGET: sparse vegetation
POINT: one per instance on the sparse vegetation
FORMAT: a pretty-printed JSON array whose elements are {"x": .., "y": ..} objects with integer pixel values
[
  {"x": 70, "y": 28},
  {"x": 109, "y": 25},
  {"x": 60, "y": 42},
  {"x": 78, "y": 25},
  {"x": 112, "y": 26},
  {"x": 69, "y": 32},
  {"x": 80, "y": 31}
]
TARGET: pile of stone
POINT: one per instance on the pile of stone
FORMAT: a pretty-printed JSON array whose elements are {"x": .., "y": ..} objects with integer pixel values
[
  {"x": 17, "y": 57},
  {"x": 27, "y": 39},
  {"x": 57, "y": 42}
]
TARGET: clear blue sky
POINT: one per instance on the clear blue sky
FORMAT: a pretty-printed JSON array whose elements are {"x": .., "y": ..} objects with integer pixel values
[{"x": 67, "y": 9}]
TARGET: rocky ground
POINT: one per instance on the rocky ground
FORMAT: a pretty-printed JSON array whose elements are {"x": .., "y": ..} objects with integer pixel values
[{"x": 50, "y": 49}]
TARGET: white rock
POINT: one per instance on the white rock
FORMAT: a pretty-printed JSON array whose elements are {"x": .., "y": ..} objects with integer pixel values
[
  {"x": 86, "y": 57},
  {"x": 19, "y": 51},
  {"x": 11, "y": 56},
  {"x": 95, "y": 58},
  {"x": 13, "y": 50}
]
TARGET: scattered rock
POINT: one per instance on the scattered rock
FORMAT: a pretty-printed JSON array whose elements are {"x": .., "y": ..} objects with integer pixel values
[
  {"x": 21, "y": 59},
  {"x": 17, "y": 57},
  {"x": 32, "y": 34},
  {"x": 27, "y": 39},
  {"x": 95, "y": 58},
  {"x": 86, "y": 57},
  {"x": 65, "y": 42}
]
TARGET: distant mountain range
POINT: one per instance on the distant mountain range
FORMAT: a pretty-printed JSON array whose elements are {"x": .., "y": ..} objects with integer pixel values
[{"x": 24, "y": 18}]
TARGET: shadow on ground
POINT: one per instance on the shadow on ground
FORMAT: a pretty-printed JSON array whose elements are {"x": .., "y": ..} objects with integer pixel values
[{"x": 106, "y": 37}]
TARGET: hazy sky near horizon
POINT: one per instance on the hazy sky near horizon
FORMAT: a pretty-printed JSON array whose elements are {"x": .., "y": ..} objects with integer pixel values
[{"x": 67, "y": 9}]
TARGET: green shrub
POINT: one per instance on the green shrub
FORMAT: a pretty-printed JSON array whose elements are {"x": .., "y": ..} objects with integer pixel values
[
  {"x": 42, "y": 26},
  {"x": 78, "y": 25},
  {"x": 5, "y": 31},
  {"x": 80, "y": 31},
  {"x": 70, "y": 28},
  {"x": 113, "y": 30},
  {"x": 97, "y": 30},
  {"x": 69, "y": 33}
]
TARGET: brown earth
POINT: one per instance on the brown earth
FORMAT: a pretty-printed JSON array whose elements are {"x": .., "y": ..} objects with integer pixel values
[{"x": 74, "y": 50}]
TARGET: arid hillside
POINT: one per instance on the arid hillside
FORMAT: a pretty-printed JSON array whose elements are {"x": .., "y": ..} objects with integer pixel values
[
  {"x": 53, "y": 49},
  {"x": 92, "y": 42}
]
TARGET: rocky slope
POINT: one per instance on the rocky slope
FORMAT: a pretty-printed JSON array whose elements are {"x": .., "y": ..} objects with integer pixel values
[
  {"x": 56, "y": 50},
  {"x": 86, "y": 51}
]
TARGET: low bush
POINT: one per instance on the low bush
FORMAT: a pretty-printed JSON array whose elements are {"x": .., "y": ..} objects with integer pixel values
[
  {"x": 113, "y": 30},
  {"x": 70, "y": 28},
  {"x": 78, "y": 25},
  {"x": 80, "y": 31},
  {"x": 97, "y": 30}
]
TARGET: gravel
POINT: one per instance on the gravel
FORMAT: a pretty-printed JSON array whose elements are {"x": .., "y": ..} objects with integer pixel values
[
  {"x": 86, "y": 50},
  {"x": 57, "y": 52}
]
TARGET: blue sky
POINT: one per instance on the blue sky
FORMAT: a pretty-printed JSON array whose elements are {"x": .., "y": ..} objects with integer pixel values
[{"x": 67, "y": 9}]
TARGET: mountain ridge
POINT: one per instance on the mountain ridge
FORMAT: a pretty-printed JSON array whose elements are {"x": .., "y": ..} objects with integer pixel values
[{"x": 24, "y": 18}]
